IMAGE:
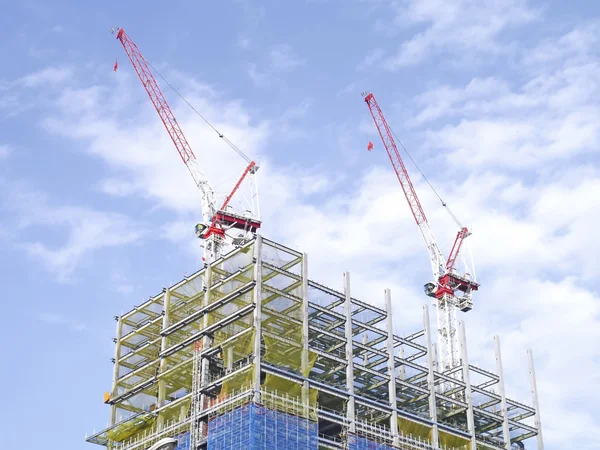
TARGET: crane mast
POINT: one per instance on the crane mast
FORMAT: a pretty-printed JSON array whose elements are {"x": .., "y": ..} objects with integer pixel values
[
  {"x": 216, "y": 221},
  {"x": 450, "y": 289}
]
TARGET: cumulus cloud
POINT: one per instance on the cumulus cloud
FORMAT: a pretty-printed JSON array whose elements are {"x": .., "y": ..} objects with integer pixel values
[
  {"x": 84, "y": 230},
  {"x": 453, "y": 27},
  {"x": 5, "y": 151},
  {"x": 280, "y": 59},
  {"x": 62, "y": 321}
]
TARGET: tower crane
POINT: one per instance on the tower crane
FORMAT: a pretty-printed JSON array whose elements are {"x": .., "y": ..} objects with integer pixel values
[
  {"x": 216, "y": 221},
  {"x": 451, "y": 289}
]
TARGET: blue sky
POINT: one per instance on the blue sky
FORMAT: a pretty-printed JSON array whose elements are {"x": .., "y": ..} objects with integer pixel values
[{"x": 497, "y": 100}]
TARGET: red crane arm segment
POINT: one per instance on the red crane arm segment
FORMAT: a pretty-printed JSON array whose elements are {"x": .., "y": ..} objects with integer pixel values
[
  {"x": 460, "y": 237},
  {"x": 249, "y": 169},
  {"x": 156, "y": 96},
  {"x": 392, "y": 150}
]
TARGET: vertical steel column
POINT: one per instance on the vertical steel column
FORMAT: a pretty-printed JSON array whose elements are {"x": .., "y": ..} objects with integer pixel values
[
  {"x": 402, "y": 370},
  {"x": 257, "y": 315},
  {"x": 391, "y": 367},
  {"x": 504, "y": 412},
  {"x": 434, "y": 349},
  {"x": 536, "y": 405},
  {"x": 113, "y": 392},
  {"x": 162, "y": 386},
  {"x": 206, "y": 341},
  {"x": 305, "y": 366},
  {"x": 462, "y": 336},
  {"x": 349, "y": 355},
  {"x": 435, "y": 441}
]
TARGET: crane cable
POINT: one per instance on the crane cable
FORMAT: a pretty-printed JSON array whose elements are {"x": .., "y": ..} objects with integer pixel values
[
  {"x": 221, "y": 135},
  {"x": 444, "y": 204}
]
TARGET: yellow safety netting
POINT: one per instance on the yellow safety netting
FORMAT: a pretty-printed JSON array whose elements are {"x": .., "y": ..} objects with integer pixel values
[
  {"x": 415, "y": 429},
  {"x": 177, "y": 411},
  {"x": 233, "y": 351},
  {"x": 282, "y": 333},
  {"x": 452, "y": 441},
  {"x": 130, "y": 427},
  {"x": 286, "y": 389}
]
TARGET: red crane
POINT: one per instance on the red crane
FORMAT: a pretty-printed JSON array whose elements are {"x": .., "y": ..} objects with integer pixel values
[
  {"x": 215, "y": 221},
  {"x": 447, "y": 282}
]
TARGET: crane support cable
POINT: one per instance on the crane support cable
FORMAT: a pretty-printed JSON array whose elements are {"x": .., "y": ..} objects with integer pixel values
[
  {"x": 221, "y": 135},
  {"x": 444, "y": 204}
]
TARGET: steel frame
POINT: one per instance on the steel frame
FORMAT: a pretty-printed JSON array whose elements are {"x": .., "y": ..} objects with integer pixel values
[{"x": 366, "y": 376}]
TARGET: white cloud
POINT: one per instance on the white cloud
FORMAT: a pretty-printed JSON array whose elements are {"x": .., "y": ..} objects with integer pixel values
[
  {"x": 5, "y": 151},
  {"x": 280, "y": 58},
  {"x": 85, "y": 230},
  {"x": 32, "y": 90},
  {"x": 62, "y": 321},
  {"x": 460, "y": 27},
  {"x": 244, "y": 42},
  {"x": 145, "y": 151},
  {"x": 374, "y": 56},
  {"x": 552, "y": 116},
  {"x": 49, "y": 75},
  {"x": 574, "y": 46},
  {"x": 283, "y": 58},
  {"x": 257, "y": 77},
  {"x": 88, "y": 231}
]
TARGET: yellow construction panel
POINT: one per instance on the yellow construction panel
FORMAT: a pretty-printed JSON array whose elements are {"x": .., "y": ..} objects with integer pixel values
[
  {"x": 129, "y": 428},
  {"x": 452, "y": 441},
  {"x": 414, "y": 429}
]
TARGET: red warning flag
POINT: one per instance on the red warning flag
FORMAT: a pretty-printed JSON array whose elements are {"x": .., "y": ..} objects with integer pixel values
[
  {"x": 370, "y": 146},
  {"x": 116, "y": 66}
]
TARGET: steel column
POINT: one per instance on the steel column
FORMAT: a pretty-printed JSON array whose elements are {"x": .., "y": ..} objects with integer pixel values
[
  {"x": 305, "y": 324},
  {"x": 349, "y": 355},
  {"x": 536, "y": 405},
  {"x": 206, "y": 340},
  {"x": 113, "y": 392},
  {"x": 162, "y": 386},
  {"x": 504, "y": 412},
  {"x": 462, "y": 335},
  {"x": 391, "y": 367},
  {"x": 257, "y": 315},
  {"x": 430, "y": 378}
]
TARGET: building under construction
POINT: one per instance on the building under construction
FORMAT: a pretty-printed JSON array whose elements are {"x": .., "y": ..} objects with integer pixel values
[{"x": 250, "y": 353}]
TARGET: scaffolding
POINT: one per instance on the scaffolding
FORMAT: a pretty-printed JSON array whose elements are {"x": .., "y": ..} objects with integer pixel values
[{"x": 251, "y": 336}]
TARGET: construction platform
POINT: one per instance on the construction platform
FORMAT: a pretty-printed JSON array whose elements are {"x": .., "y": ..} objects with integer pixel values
[{"x": 250, "y": 353}]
